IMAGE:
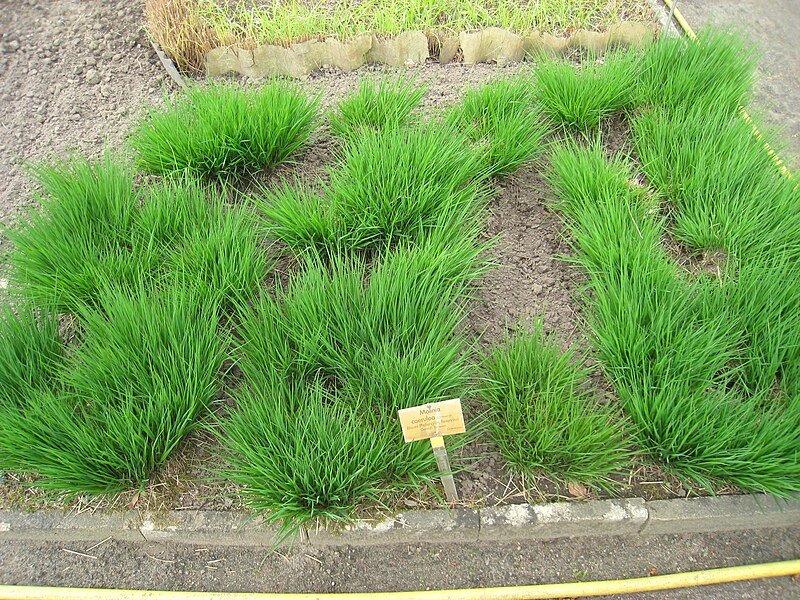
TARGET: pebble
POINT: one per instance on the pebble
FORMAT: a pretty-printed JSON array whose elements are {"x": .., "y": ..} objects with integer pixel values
[{"x": 92, "y": 77}]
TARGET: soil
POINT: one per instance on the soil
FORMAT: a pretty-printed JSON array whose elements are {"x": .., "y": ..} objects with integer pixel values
[{"x": 75, "y": 75}]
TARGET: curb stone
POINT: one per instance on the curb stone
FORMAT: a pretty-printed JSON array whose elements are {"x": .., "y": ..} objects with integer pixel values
[{"x": 597, "y": 518}]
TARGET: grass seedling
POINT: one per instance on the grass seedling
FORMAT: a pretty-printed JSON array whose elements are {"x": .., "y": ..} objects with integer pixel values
[
  {"x": 500, "y": 118},
  {"x": 224, "y": 130},
  {"x": 146, "y": 370},
  {"x": 716, "y": 72},
  {"x": 377, "y": 106},
  {"x": 541, "y": 412},
  {"x": 580, "y": 98}
]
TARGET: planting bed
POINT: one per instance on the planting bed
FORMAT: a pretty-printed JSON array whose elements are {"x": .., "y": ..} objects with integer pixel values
[{"x": 414, "y": 262}]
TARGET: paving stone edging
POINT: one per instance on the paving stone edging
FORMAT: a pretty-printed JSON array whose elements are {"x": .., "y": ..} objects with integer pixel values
[{"x": 596, "y": 518}]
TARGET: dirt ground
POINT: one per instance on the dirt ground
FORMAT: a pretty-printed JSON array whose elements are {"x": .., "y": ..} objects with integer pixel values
[{"x": 408, "y": 567}]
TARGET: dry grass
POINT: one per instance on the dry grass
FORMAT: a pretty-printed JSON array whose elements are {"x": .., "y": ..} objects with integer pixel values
[{"x": 178, "y": 28}]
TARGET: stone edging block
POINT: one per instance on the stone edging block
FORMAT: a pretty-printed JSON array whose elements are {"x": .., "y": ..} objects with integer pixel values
[{"x": 410, "y": 48}]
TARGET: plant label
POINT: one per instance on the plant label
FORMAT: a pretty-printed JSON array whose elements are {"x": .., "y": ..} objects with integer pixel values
[{"x": 432, "y": 420}]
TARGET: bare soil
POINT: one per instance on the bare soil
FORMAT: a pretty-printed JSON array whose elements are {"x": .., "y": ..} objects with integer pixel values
[{"x": 75, "y": 75}]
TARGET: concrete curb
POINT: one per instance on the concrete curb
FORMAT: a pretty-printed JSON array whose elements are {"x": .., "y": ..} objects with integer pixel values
[{"x": 598, "y": 518}]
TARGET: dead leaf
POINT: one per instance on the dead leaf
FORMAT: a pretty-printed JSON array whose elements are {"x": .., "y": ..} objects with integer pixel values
[
  {"x": 577, "y": 489},
  {"x": 133, "y": 502}
]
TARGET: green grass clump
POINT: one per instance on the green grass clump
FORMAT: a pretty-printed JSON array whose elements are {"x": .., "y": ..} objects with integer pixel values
[
  {"x": 225, "y": 130},
  {"x": 327, "y": 363},
  {"x": 672, "y": 354},
  {"x": 226, "y": 260},
  {"x": 500, "y": 118},
  {"x": 31, "y": 352},
  {"x": 398, "y": 186},
  {"x": 404, "y": 184},
  {"x": 541, "y": 412},
  {"x": 81, "y": 239},
  {"x": 146, "y": 370},
  {"x": 95, "y": 229},
  {"x": 392, "y": 342},
  {"x": 580, "y": 98},
  {"x": 728, "y": 199},
  {"x": 716, "y": 71},
  {"x": 724, "y": 190},
  {"x": 301, "y": 455},
  {"x": 376, "y": 106}
]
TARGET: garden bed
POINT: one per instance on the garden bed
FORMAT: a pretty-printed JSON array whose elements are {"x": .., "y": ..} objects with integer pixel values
[{"x": 531, "y": 282}]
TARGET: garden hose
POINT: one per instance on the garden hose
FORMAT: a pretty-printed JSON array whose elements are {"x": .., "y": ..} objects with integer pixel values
[
  {"x": 529, "y": 592},
  {"x": 687, "y": 29}
]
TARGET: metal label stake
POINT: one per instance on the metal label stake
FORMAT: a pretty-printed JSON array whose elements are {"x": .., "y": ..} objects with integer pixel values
[{"x": 440, "y": 452}]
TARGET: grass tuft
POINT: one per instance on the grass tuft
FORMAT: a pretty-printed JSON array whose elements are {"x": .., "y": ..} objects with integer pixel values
[
  {"x": 327, "y": 363},
  {"x": 580, "y": 98},
  {"x": 500, "y": 118},
  {"x": 401, "y": 186},
  {"x": 717, "y": 72},
  {"x": 377, "y": 106},
  {"x": 96, "y": 230},
  {"x": 31, "y": 353},
  {"x": 301, "y": 455},
  {"x": 542, "y": 415},
  {"x": 223, "y": 130},
  {"x": 147, "y": 369},
  {"x": 671, "y": 351},
  {"x": 82, "y": 238}
]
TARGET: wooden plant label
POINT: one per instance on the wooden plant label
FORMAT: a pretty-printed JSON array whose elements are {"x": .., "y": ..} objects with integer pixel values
[{"x": 432, "y": 420}]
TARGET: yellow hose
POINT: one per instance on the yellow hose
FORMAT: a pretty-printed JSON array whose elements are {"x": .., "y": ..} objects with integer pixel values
[
  {"x": 556, "y": 590},
  {"x": 687, "y": 29},
  {"x": 681, "y": 21}
]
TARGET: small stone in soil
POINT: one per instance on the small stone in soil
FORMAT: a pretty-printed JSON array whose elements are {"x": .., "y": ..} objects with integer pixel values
[{"x": 92, "y": 77}]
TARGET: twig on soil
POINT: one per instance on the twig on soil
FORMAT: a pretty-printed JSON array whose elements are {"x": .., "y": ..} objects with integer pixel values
[
  {"x": 76, "y": 553},
  {"x": 98, "y": 544},
  {"x": 161, "y": 560}
]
